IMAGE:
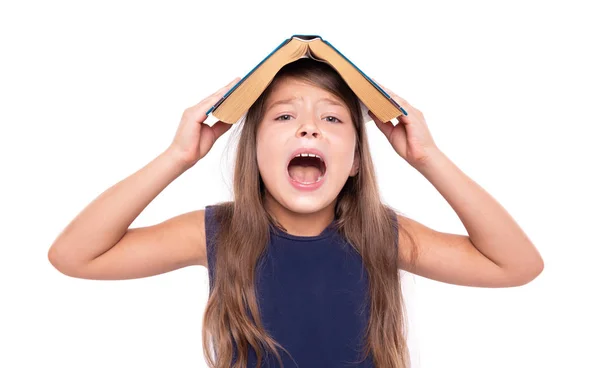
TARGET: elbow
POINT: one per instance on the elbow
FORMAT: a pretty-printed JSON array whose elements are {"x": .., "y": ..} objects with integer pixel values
[
  {"x": 56, "y": 260},
  {"x": 53, "y": 257},
  {"x": 536, "y": 269},
  {"x": 61, "y": 262},
  {"x": 527, "y": 269},
  {"x": 528, "y": 274}
]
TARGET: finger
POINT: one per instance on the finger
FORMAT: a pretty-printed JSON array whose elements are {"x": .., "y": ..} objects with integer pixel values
[
  {"x": 219, "y": 93},
  {"x": 397, "y": 98},
  {"x": 382, "y": 87},
  {"x": 199, "y": 110},
  {"x": 386, "y": 128},
  {"x": 226, "y": 88},
  {"x": 219, "y": 128}
]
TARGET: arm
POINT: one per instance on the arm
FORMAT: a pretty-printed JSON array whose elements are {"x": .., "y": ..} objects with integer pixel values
[
  {"x": 497, "y": 253},
  {"x": 98, "y": 243}
]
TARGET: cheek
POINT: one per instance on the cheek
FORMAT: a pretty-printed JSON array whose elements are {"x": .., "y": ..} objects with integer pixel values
[
  {"x": 342, "y": 150},
  {"x": 268, "y": 153}
]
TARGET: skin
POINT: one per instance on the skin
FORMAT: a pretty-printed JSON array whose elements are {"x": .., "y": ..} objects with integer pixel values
[
  {"x": 495, "y": 253},
  {"x": 300, "y": 115},
  {"x": 99, "y": 243}
]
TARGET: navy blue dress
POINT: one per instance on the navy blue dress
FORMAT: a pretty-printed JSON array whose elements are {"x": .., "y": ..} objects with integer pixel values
[{"x": 313, "y": 298}]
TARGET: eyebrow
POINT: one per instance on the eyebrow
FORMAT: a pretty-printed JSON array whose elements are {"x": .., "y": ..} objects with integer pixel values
[{"x": 292, "y": 99}]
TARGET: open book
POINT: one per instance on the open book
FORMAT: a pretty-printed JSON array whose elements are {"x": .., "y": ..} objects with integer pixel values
[{"x": 236, "y": 102}]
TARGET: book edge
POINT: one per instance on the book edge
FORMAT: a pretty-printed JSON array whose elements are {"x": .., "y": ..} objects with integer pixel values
[
  {"x": 314, "y": 38},
  {"x": 218, "y": 103},
  {"x": 368, "y": 78}
]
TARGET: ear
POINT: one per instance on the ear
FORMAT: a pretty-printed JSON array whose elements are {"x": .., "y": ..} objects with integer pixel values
[{"x": 355, "y": 164}]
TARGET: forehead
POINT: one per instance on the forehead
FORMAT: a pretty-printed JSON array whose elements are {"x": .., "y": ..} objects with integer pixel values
[{"x": 290, "y": 88}]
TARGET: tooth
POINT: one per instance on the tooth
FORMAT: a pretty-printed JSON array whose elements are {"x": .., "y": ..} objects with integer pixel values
[
  {"x": 311, "y": 155},
  {"x": 304, "y": 154}
]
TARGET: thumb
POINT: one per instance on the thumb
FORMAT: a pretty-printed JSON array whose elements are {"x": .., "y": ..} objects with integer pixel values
[
  {"x": 386, "y": 128},
  {"x": 219, "y": 128}
]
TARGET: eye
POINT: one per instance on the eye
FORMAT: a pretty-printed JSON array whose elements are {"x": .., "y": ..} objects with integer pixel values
[
  {"x": 334, "y": 121},
  {"x": 280, "y": 118}
]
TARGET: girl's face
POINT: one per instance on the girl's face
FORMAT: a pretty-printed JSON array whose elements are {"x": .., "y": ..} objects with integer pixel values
[{"x": 301, "y": 118}]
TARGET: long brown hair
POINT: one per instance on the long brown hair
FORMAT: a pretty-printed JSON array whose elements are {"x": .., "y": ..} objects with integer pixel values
[{"x": 367, "y": 224}]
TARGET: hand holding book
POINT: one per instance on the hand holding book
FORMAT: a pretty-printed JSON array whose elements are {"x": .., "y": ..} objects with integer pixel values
[
  {"x": 411, "y": 137},
  {"x": 194, "y": 138},
  {"x": 238, "y": 100}
]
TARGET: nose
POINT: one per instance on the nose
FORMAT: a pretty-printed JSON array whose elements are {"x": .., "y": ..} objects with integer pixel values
[{"x": 308, "y": 129}]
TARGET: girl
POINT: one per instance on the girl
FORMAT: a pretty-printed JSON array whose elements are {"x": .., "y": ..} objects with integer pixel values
[{"x": 305, "y": 260}]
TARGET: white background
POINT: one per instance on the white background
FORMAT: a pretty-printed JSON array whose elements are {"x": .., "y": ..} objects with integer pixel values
[{"x": 91, "y": 92}]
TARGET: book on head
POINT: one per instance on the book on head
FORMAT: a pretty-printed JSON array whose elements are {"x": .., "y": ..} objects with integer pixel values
[{"x": 236, "y": 102}]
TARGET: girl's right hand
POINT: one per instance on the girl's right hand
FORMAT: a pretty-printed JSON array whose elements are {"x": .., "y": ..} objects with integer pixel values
[{"x": 194, "y": 138}]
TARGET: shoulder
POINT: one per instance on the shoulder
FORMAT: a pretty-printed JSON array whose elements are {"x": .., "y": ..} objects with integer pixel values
[
  {"x": 199, "y": 227},
  {"x": 214, "y": 217},
  {"x": 408, "y": 232},
  {"x": 422, "y": 249},
  {"x": 190, "y": 229},
  {"x": 193, "y": 228}
]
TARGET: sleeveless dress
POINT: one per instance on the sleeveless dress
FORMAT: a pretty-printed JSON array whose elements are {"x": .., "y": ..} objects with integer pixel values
[{"x": 313, "y": 298}]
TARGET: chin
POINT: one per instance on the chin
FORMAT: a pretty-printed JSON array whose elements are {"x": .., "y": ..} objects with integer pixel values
[
  {"x": 306, "y": 202},
  {"x": 305, "y": 205}
]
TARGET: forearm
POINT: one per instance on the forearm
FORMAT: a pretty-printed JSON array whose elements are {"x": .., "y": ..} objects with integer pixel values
[
  {"x": 103, "y": 222},
  {"x": 491, "y": 228}
]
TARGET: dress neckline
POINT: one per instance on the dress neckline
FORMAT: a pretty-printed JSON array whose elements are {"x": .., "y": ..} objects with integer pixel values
[{"x": 327, "y": 232}]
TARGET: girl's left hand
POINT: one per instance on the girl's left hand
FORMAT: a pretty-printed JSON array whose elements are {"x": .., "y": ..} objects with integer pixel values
[{"x": 410, "y": 137}]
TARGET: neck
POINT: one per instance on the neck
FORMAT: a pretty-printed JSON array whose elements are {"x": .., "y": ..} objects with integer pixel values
[{"x": 300, "y": 224}]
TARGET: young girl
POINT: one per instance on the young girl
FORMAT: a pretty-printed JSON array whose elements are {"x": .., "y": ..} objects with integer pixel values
[{"x": 304, "y": 262}]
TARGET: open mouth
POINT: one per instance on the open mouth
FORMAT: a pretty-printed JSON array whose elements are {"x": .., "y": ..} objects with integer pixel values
[{"x": 307, "y": 168}]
